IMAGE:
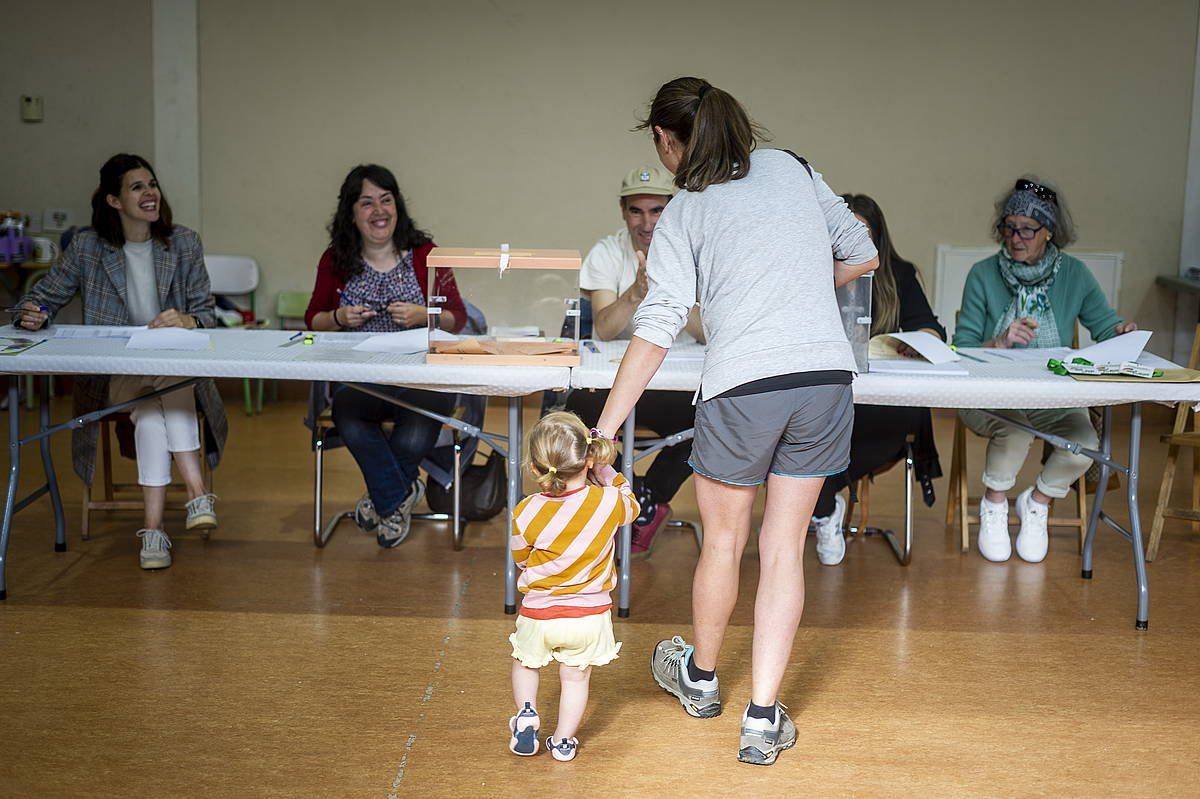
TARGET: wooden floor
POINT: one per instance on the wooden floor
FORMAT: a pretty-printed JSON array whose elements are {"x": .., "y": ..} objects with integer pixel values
[{"x": 260, "y": 666}]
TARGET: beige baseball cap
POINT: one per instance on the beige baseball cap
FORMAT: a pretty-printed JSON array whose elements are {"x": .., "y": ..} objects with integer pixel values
[{"x": 647, "y": 180}]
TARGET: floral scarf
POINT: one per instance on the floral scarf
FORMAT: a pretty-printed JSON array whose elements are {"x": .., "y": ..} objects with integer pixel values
[{"x": 1030, "y": 286}]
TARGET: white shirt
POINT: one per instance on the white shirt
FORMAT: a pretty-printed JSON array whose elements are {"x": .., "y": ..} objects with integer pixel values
[
  {"x": 141, "y": 287},
  {"x": 611, "y": 265}
]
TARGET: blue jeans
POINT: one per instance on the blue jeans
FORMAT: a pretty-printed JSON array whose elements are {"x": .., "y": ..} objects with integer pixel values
[{"x": 388, "y": 463}]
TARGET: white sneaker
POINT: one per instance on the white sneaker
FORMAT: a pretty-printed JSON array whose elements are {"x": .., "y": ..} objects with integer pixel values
[
  {"x": 156, "y": 549},
  {"x": 1033, "y": 540},
  {"x": 831, "y": 543},
  {"x": 202, "y": 513},
  {"x": 994, "y": 543}
]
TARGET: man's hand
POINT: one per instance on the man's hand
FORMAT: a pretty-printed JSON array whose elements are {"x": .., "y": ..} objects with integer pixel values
[
  {"x": 173, "y": 318},
  {"x": 641, "y": 284},
  {"x": 1124, "y": 327}
]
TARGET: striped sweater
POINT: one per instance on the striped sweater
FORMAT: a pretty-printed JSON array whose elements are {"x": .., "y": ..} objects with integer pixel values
[{"x": 564, "y": 545}]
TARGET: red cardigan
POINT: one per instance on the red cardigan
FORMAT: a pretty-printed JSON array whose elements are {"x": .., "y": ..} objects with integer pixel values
[{"x": 325, "y": 295}]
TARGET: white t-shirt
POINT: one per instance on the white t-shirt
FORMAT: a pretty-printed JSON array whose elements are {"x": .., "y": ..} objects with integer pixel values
[
  {"x": 141, "y": 287},
  {"x": 611, "y": 265}
]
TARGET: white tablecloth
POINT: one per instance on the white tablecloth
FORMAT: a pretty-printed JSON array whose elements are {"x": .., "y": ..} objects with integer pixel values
[
  {"x": 260, "y": 353},
  {"x": 989, "y": 385}
]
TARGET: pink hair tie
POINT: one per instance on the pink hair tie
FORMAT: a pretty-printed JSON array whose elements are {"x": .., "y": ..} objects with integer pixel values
[{"x": 595, "y": 435}]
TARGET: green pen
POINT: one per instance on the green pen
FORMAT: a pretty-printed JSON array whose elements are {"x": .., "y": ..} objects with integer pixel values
[{"x": 963, "y": 354}]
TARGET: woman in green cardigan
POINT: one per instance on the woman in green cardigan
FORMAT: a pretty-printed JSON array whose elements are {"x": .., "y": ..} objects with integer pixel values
[{"x": 1030, "y": 294}]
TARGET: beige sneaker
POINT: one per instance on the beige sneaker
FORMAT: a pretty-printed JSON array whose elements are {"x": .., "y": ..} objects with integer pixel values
[
  {"x": 156, "y": 549},
  {"x": 202, "y": 513}
]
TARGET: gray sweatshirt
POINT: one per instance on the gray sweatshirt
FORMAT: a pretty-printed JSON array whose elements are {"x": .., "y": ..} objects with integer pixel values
[{"x": 757, "y": 254}]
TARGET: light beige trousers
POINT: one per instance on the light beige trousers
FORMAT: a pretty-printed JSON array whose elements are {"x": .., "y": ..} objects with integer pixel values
[{"x": 1008, "y": 447}]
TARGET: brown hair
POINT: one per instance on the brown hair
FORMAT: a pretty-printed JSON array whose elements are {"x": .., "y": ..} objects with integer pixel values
[
  {"x": 106, "y": 220},
  {"x": 716, "y": 133},
  {"x": 885, "y": 304},
  {"x": 559, "y": 446}
]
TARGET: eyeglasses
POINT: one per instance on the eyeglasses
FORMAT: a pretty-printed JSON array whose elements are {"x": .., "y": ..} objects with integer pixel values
[
  {"x": 1038, "y": 190},
  {"x": 1025, "y": 233}
]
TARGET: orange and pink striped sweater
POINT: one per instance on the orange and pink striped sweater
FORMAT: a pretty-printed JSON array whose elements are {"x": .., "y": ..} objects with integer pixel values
[{"x": 564, "y": 545}]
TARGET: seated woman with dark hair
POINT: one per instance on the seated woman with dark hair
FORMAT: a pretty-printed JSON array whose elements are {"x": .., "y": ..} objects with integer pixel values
[
  {"x": 134, "y": 267},
  {"x": 880, "y": 432},
  {"x": 373, "y": 277}
]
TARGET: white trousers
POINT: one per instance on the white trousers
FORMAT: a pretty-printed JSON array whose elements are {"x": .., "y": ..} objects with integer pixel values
[
  {"x": 1008, "y": 447},
  {"x": 162, "y": 425}
]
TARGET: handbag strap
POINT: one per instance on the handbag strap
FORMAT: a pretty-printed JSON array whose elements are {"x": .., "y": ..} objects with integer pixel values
[{"x": 803, "y": 162}]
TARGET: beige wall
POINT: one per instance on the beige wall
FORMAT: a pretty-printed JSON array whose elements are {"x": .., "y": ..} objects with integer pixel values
[
  {"x": 510, "y": 121},
  {"x": 91, "y": 62}
]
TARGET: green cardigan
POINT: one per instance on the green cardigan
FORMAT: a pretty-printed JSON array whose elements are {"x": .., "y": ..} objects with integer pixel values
[{"x": 1075, "y": 297}]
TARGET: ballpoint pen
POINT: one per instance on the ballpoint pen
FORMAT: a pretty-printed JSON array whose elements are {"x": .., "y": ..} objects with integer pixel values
[{"x": 965, "y": 355}]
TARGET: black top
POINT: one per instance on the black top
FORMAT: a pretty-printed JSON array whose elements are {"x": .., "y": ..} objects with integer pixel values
[
  {"x": 915, "y": 312},
  {"x": 826, "y": 377}
]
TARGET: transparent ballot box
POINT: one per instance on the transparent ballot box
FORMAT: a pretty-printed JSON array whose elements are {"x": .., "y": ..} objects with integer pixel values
[
  {"x": 854, "y": 303},
  {"x": 502, "y": 350}
]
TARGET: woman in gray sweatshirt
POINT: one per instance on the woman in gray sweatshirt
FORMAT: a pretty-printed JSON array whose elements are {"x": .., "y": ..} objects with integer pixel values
[{"x": 762, "y": 242}]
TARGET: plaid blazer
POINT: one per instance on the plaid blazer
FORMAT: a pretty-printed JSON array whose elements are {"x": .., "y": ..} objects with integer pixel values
[{"x": 94, "y": 269}]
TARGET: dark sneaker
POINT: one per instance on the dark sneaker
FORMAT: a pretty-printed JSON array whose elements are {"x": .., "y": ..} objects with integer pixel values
[
  {"x": 563, "y": 749},
  {"x": 668, "y": 666},
  {"x": 763, "y": 740},
  {"x": 524, "y": 729},
  {"x": 156, "y": 549},
  {"x": 364, "y": 514},
  {"x": 394, "y": 528},
  {"x": 645, "y": 528}
]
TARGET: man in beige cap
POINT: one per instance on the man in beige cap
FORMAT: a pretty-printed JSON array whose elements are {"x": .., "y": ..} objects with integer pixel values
[{"x": 614, "y": 282}]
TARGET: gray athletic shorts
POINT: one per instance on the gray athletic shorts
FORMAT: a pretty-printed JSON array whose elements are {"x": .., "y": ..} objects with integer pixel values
[{"x": 795, "y": 432}]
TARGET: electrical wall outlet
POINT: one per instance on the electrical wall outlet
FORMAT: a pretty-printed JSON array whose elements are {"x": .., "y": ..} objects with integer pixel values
[
  {"x": 56, "y": 219},
  {"x": 31, "y": 108}
]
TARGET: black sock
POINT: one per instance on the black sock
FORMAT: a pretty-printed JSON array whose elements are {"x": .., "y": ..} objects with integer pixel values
[
  {"x": 697, "y": 674},
  {"x": 761, "y": 712}
]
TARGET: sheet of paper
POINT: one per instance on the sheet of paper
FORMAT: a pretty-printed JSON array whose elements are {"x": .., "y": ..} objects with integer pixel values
[
  {"x": 1125, "y": 347},
  {"x": 929, "y": 346},
  {"x": 404, "y": 341},
  {"x": 910, "y": 366},
  {"x": 15, "y": 345},
  {"x": 96, "y": 331},
  {"x": 168, "y": 338}
]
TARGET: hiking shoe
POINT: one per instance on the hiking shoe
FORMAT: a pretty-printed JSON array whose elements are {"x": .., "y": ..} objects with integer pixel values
[
  {"x": 763, "y": 740},
  {"x": 646, "y": 527},
  {"x": 668, "y": 667},
  {"x": 562, "y": 749},
  {"x": 994, "y": 543},
  {"x": 202, "y": 513},
  {"x": 524, "y": 728},
  {"x": 394, "y": 528},
  {"x": 1034, "y": 539},
  {"x": 156, "y": 549},
  {"x": 364, "y": 514},
  {"x": 831, "y": 543}
]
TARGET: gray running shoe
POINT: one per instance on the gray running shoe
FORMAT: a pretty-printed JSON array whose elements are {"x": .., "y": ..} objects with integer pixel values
[
  {"x": 668, "y": 666},
  {"x": 156, "y": 549},
  {"x": 393, "y": 529},
  {"x": 762, "y": 740},
  {"x": 364, "y": 514},
  {"x": 202, "y": 513}
]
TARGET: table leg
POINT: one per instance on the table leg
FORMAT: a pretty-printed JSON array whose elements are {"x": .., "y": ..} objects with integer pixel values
[
  {"x": 904, "y": 554},
  {"x": 14, "y": 476},
  {"x": 514, "y": 496},
  {"x": 60, "y": 518},
  {"x": 1142, "y": 622},
  {"x": 625, "y": 534},
  {"x": 1098, "y": 500}
]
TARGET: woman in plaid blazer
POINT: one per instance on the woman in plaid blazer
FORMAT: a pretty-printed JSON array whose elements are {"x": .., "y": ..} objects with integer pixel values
[{"x": 134, "y": 267}]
